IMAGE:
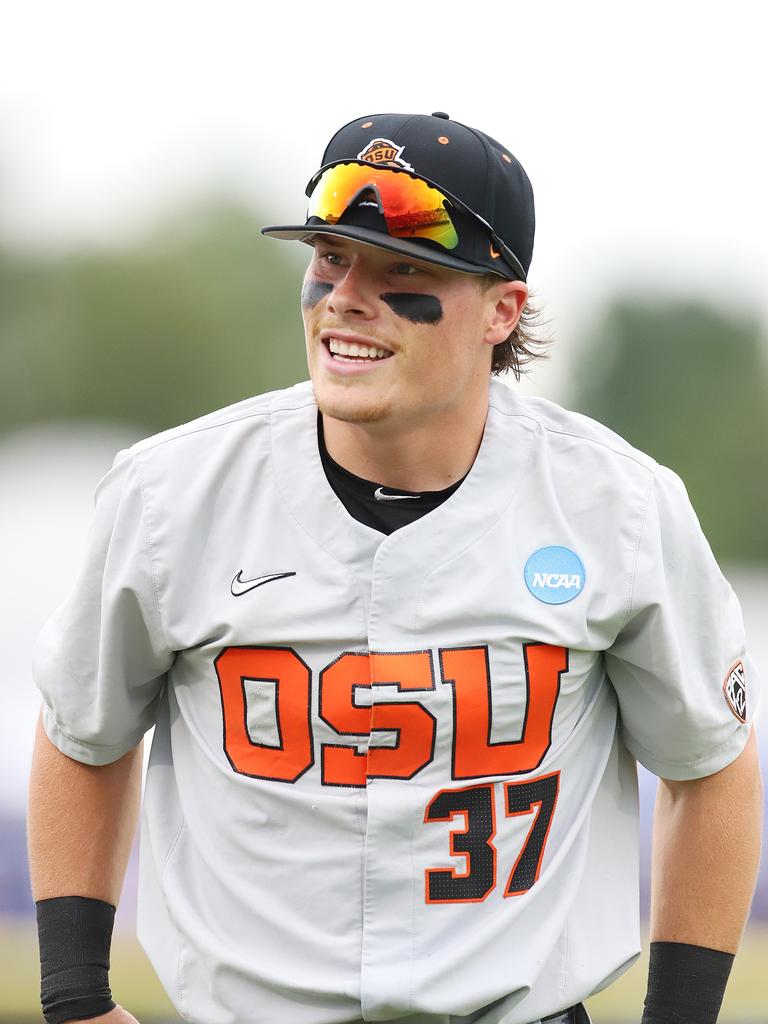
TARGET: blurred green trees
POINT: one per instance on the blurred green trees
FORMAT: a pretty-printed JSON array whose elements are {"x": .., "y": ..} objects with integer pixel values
[
  {"x": 205, "y": 311},
  {"x": 200, "y": 314},
  {"x": 688, "y": 384}
]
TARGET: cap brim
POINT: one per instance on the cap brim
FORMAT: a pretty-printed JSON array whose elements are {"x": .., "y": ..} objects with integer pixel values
[{"x": 419, "y": 251}]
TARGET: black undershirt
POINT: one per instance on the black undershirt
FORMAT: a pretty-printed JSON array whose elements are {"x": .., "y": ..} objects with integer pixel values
[{"x": 358, "y": 496}]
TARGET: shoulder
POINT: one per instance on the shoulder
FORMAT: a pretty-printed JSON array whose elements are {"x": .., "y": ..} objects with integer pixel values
[
  {"x": 581, "y": 465},
  {"x": 564, "y": 430},
  {"x": 250, "y": 414},
  {"x": 194, "y": 458}
]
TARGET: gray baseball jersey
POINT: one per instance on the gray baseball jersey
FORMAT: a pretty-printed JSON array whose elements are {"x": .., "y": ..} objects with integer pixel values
[{"x": 394, "y": 777}]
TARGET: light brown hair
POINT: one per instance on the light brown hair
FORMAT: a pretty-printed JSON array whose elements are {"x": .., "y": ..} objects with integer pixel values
[{"x": 525, "y": 344}]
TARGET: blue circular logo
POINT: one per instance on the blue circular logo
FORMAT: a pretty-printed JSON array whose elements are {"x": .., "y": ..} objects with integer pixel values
[{"x": 555, "y": 575}]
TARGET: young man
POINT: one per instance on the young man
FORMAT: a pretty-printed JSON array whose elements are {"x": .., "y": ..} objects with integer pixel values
[{"x": 400, "y": 783}]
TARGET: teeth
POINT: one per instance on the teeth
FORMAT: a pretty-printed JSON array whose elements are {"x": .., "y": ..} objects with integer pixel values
[{"x": 353, "y": 350}]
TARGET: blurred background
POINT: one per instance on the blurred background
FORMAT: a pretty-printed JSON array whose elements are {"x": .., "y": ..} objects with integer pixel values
[{"x": 141, "y": 147}]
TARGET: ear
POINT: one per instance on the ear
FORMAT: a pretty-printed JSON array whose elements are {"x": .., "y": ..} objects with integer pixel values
[{"x": 506, "y": 301}]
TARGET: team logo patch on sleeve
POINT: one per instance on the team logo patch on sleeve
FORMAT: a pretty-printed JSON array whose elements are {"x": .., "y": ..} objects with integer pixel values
[
  {"x": 735, "y": 691},
  {"x": 555, "y": 575}
]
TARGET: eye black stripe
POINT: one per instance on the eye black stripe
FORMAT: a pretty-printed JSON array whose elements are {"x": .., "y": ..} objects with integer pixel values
[{"x": 419, "y": 309}]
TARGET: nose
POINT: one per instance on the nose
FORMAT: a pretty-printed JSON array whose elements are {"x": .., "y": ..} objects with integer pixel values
[{"x": 355, "y": 293}]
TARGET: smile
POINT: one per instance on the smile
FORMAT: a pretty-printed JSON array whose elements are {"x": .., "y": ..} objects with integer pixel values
[{"x": 350, "y": 351}]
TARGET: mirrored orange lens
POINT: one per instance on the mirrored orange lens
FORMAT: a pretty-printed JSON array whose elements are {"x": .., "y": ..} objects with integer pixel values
[{"x": 411, "y": 207}]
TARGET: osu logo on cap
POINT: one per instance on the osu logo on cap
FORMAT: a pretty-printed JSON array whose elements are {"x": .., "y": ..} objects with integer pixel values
[
  {"x": 735, "y": 691},
  {"x": 555, "y": 575},
  {"x": 384, "y": 153}
]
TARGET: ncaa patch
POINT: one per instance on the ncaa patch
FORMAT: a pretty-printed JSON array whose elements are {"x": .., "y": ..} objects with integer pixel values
[
  {"x": 555, "y": 575},
  {"x": 735, "y": 691}
]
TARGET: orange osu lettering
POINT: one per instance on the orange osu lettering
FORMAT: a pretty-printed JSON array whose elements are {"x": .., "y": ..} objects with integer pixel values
[
  {"x": 384, "y": 737},
  {"x": 468, "y": 671},
  {"x": 282, "y": 669},
  {"x": 412, "y": 724}
]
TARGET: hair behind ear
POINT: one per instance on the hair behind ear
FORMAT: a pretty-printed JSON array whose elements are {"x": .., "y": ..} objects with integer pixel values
[{"x": 526, "y": 343}]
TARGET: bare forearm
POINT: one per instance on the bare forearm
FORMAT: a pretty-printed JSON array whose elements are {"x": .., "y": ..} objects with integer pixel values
[
  {"x": 81, "y": 822},
  {"x": 706, "y": 851}
]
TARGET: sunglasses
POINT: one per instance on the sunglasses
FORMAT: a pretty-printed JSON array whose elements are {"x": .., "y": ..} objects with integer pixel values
[{"x": 411, "y": 207}]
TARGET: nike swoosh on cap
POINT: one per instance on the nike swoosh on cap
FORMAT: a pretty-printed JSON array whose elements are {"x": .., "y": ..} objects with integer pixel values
[
  {"x": 379, "y": 495},
  {"x": 240, "y": 586}
]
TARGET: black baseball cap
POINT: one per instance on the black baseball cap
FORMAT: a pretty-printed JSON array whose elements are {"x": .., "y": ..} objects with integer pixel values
[{"x": 490, "y": 195}]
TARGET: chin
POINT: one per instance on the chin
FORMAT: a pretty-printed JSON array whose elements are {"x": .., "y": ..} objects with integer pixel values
[{"x": 352, "y": 408}]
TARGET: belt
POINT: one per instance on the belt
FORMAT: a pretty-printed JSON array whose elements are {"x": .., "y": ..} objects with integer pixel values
[{"x": 575, "y": 1015}]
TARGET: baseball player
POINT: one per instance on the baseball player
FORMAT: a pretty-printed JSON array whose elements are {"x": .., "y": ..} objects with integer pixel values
[{"x": 402, "y": 634}]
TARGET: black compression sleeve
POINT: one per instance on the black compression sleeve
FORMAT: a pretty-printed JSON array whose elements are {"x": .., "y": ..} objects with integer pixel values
[
  {"x": 686, "y": 983},
  {"x": 75, "y": 934}
]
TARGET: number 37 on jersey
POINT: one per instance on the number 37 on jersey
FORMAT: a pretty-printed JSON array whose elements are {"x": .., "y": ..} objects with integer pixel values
[{"x": 474, "y": 756}]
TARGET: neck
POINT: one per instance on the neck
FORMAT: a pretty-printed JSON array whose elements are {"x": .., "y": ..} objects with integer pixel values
[{"x": 429, "y": 456}]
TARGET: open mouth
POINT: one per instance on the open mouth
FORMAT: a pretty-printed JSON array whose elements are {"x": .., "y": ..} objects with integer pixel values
[{"x": 354, "y": 352}]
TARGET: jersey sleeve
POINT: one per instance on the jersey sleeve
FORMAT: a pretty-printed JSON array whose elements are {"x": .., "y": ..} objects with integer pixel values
[
  {"x": 101, "y": 659},
  {"x": 686, "y": 687}
]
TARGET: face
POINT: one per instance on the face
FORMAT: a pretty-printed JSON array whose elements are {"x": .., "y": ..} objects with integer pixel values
[{"x": 392, "y": 339}]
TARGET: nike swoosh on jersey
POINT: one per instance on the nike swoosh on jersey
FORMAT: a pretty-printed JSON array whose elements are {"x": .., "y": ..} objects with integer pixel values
[
  {"x": 240, "y": 586},
  {"x": 379, "y": 495}
]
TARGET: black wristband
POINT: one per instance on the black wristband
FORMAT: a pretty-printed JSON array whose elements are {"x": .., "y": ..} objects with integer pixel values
[
  {"x": 75, "y": 935},
  {"x": 686, "y": 983}
]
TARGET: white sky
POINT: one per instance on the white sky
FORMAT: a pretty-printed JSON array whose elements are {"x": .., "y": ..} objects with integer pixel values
[{"x": 642, "y": 126}]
